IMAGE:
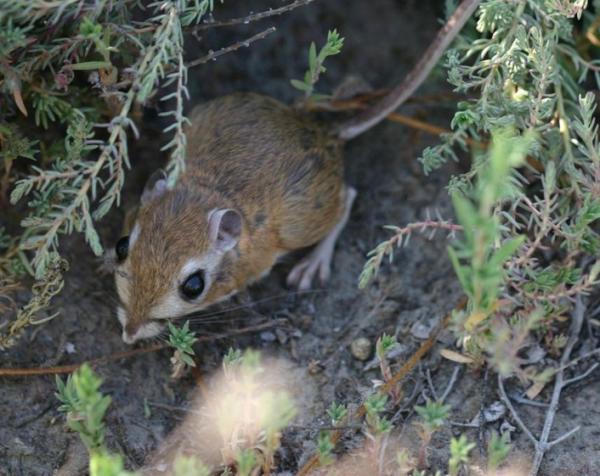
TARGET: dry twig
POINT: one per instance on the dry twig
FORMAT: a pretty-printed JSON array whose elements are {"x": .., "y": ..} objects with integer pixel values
[
  {"x": 253, "y": 17},
  {"x": 67, "y": 369},
  {"x": 542, "y": 444},
  {"x": 213, "y": 55}
]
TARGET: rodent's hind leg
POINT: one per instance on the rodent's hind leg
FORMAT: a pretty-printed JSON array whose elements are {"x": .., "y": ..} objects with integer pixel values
[{"x": 318, "y": 261}]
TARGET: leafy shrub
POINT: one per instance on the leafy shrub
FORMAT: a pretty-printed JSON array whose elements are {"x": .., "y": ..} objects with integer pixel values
[
  {"x": 82, "y": 70},
  {"x": 528, "y": 208}
]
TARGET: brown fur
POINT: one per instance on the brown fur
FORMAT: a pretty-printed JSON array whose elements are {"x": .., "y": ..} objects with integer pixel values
[{"x": 281, "y": 170}]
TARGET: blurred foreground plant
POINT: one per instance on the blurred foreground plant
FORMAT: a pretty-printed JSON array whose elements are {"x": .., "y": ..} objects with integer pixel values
[
  {"x": 245, "y": 411},
  {"x": 85, "y": 407}
]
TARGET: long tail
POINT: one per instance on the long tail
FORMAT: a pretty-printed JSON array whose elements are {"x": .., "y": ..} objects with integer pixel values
[{"x": 372, "y": 116}]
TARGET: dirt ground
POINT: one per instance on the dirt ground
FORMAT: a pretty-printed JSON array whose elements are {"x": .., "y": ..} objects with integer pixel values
[{"x": 384, "y": 38}]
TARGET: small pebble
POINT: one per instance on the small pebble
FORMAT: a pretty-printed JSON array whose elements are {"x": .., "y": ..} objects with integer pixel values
[
  {"x": 361, "y": 348},
  {"x": 268, "y": 336},
  {"x": 305, "y": 321},
  {"x": 314, "y": 367},
  {"x": 282, "y": 336}
]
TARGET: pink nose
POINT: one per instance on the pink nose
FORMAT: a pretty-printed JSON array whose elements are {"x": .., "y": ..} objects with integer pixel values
[{"x": 129, "y": 332}]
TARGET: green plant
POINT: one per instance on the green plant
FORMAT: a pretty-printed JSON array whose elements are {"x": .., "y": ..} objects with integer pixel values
[
  {"x": 332, "y": 47},
  {"x": 337, "y": 412},
  {"x": 478, "y": 258},
  {"x": 250, "y": 415},
  {"x": 181, "y": 339},
  {"x": 105, "y": 464},
  {"x": 459, "y": 454},
  {"x": 384, "y": 344},
  {"x": 84, "y": 405},
  {"x": 246, "y": 462},
  {"x": 497, "y": 450},
  {"x": 190, "y": 466},
  {"x": 528, "y": 207},
  {"x": 325, "y": 448},
  {"x": 433, "y": 416},
  {"x": 375, "y": 406}
]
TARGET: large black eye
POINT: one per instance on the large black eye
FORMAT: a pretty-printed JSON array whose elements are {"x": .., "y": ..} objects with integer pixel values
[
  {"x": 122, "y": 247},
  {"x": 193, "y": 286}
]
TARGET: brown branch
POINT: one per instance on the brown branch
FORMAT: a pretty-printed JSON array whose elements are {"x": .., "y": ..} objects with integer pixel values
[
  {"x": 233, "y": 47},
  {"x": 425, "y": 347},
  {"x": 253, "y": 17},
  {"x": 414, "y": 79},
  {"x": 361, "y": 103},
  {"x": 67, "y": 369}
]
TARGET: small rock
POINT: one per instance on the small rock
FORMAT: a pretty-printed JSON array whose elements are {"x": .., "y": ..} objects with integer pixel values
[
  {"x": 490, "y": 414},
  {"x": 361, "y": 348},
  {"x": 268, "y": 336},
  {"x": 314, "y": 367},
  {"x": 396, "y": 351},
  {"x": 21, "y": 448},
  {"x": 282, "y": 336},
  {"x": 305, "y": 321},
  {"x": 506, "y": 427},
  {"x": 534, "y": 354},
  {"x": 422, "y": 329}
]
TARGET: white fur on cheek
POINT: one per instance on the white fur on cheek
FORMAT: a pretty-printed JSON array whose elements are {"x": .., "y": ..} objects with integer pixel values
[
  {"x": 122, "y": 285},
  {"x": 122, "y": 316}
]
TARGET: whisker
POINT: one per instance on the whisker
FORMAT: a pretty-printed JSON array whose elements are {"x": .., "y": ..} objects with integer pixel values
[
  {"x": 216, "y": 319},
  {"x": 252, "y": 304}
]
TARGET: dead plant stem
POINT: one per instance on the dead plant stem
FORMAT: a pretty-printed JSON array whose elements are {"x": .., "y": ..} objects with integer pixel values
[{"x": 542, "y": 444}]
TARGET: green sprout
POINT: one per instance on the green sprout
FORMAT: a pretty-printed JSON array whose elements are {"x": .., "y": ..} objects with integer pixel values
[
  {"x": 477, "y": 258},
  {"x": 190, "y": 466},
  {"x": 315, "y": 64},
  {"x": 232, "y": 357},
  {"x": 337, "y": 412},
  {"x": 105, "y": 464},
  {"x": 433, "y": 415},
  {"x": 384, "y": 344},
  {"x": 246, "y": 462},
  {"x": 459, "y": 454},
  {"x": 325, "y": 448},
  {"x": 182, "y": 340},
  {"x": 497, "y": 450},
  {"x": 100, "y": 36},
  {"x": 374, "y": 406},
  {"x": 84, "y": 405}
]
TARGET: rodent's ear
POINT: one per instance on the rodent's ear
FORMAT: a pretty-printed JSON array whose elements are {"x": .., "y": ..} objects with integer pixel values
[
  {"x": 155, "y": 186},
  {"x": 224, "y": 228}
]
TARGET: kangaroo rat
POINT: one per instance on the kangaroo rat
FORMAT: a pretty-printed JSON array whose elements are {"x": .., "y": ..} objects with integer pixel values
[{"x": 261, "y": 180}]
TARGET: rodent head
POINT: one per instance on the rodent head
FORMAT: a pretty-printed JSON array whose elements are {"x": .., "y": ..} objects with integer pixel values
[{"x": 177, "y": 259}]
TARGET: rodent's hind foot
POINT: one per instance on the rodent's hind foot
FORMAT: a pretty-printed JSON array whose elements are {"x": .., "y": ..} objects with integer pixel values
[{"x": 318, "y": 261}]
